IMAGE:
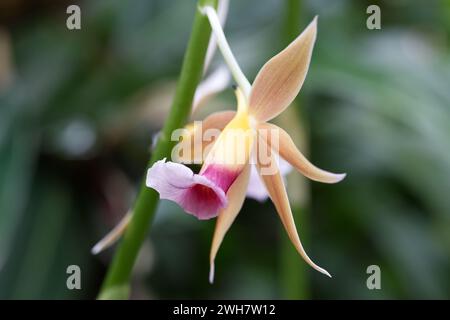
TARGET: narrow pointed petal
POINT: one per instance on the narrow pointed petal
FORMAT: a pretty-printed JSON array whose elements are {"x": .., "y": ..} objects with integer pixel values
[
  {"x": 280, "y": 79},
  {"x": 256, "y": 189},
  {"x": 288, "y": 151},
  {"x": 196, "y": 194},
  {"x": 113, "y": 235},
  {"x": 275, "y": 187},
  {"x": 236, "y": 197}
]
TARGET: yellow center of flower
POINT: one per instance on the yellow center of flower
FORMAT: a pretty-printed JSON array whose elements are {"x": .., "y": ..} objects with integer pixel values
[{"x": 234, "y": 144}]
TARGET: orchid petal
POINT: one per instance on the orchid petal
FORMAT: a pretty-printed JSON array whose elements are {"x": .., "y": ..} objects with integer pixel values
[
  {"x": 280, "y": 79},
  {"x": 256, "y": 189},
  {"x": 195, "y": 139},
  {"x": 290, "y": 153},
  {"x": 275, "y": 187},
  {"x": 218, "y": 120},
  {"x": 236, "y": 197},
  {"x": 195, "y": 193},
  {"x": 113, "y": 236}
]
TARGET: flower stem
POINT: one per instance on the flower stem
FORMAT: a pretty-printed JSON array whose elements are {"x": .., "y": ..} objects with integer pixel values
[
  {"x": 294, "y": 275},
  {"x": 225, "y": 49},
  {"x": 116, "y": 283}
]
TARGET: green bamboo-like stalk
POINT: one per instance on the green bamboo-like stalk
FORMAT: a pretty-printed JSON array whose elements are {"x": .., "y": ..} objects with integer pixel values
[
  {"x": 291, "y": 21},
  {"x": 294, "y": 280},
  {"x": 116, "y": 283}
]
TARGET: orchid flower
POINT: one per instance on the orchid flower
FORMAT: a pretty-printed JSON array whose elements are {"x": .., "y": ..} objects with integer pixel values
[
  {"x": 215, "y": 82},
  {"x": 219, "y": 189}
]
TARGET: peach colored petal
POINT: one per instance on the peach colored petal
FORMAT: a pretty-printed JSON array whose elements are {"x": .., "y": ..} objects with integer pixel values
[
  {"x": 236, "y": 197},
  {"x": 114, "y": 235},
  {"x": 195, "y": 138},
  {"x": 218, "y": 120},
  {"x": 276, "y": 189},
  {"x": 289, "y": 152},
  {"x": 256, "y": 189},
  {"x": 280, "y": 79}
]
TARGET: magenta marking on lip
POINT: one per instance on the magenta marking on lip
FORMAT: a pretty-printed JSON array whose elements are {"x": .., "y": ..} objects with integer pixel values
[
  {"x": 221, "y": 176},
  {"x": 195, "y": 193}
]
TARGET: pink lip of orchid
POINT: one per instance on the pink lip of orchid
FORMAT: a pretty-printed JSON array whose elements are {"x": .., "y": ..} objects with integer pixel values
[
  {"x": 200, "y": 195},
  {"x": 204, "y": 194},
  {"x": 275, "y": 87}
]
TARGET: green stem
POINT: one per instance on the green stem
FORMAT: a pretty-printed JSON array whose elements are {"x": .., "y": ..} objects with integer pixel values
[
  {"x": 294, "y": 273},
  {"x": 116, "y": 283},
  {"x": 292, "y": 19}
]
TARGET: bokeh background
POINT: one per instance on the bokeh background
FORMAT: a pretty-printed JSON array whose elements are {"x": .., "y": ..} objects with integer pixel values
[{"x": 78, "y": 110}]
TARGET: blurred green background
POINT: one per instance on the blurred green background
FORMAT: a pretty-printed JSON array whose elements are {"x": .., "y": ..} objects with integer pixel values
[{"x": 78, "y": 110}]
